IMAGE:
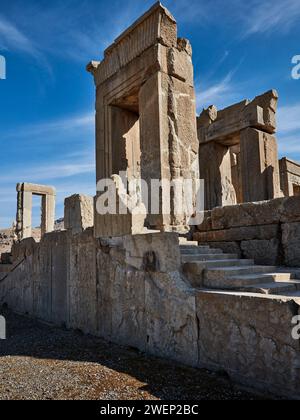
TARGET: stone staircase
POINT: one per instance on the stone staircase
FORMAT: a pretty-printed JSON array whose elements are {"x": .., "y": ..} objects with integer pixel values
[{"x": 210, "y": 268}]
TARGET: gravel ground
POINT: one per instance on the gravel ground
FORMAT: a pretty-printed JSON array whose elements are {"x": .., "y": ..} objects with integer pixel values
[{"x": 39, "y": 362}]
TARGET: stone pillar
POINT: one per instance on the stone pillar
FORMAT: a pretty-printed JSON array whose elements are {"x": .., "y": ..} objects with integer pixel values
[
  {"x": 146, "y": 117},
  {"x": 79, "y": 213},
  {"x": 48, "y": 214},
  {"x": 168, "y": 140},
  {"x": 236, "y": 172},
  {"x": 215, "y": 170},
  {"x": 24, "y": 213},
  {"x": 259, "y": 159},
  {"x": 27, "y": 214}
]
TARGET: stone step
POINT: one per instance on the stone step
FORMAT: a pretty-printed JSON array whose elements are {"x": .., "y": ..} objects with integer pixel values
[
  {"x": 184, "y": 241},
  {"x": 207, "y": 257},
  {"x": 221, "y": 277},
  {"x": 244, "y": 280},
  {"x": 196, "y": 271},
  {"x": 271, "y": 288},
  {"x": 220, "y": 264},
  {"x": 200, "y": 251}
]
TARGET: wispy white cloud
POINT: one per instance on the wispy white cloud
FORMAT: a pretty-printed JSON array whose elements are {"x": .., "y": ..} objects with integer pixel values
[
  {"x": 76, "y": 30},
  {"x": 84, "y": 121},
  {"x": 50, "y": 172},
  {"x": 222, "y": 93},
  {"x": 12, "y": 37},
  {"x": 56, "y": 152},
  {"x": 251, "y": 17},
  {"x": 271, "y": 15}
]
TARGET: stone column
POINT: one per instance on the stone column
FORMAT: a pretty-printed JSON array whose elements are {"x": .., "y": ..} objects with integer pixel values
[
  {"x": 48, "y": 214},
  {"x": 24, "y": 212},
  {"x": 259, "y": 160},
  {"x": 169, "y": 145},
  {"x": 215, "y": 170},
  {"x": 236, "y": 172}
]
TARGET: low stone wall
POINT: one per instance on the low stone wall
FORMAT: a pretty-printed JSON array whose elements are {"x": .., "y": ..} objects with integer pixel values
[
  {"x": 250, "y": 337},
  {"x": 267, "y": 231},
  {"x": 131, "y": 291}
]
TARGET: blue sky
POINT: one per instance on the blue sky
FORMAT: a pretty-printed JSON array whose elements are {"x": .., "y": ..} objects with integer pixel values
[{"x": 240, "y": 49}]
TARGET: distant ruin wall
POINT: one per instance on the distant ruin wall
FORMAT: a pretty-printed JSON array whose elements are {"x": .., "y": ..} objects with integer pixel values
[
  {"x": 267, "y": 231},
  {"x": 131, "y": 291}
]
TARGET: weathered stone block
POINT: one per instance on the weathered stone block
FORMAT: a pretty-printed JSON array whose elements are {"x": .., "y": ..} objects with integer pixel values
[
  {"x": 128, "y": 308},
  {"x": 259, "y": 157},
  {"x": 23, "y": 249},
  {"x": 79, "y": 213},
  {"x": 291, "y": 244},
  {"x": 215, "y": 170},
  {"x": 158, "y": 252},
  {"x": 242, "y": 334},
  {"x": 207, "y": 222},
  {"x": 82, "y": 283},
  {"x": 238, "y": 234},
  {"x": 180, "y": 65},
  {"x": 248, "y": 214},
  {"x": 291, "y": 210},
  {"x": 171, "y": 324},
  {"x": 227, "y": 247},
  {"x": 263, "y": 252}
]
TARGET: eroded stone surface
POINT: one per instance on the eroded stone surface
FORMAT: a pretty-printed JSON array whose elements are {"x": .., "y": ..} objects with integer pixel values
[
  {"x": 238, "y": 152},
  {"x": 243, "y": 332},
  {"x": 25, "y": 191},
  {"x": 247, "y": 336},
  {"x": 146, "y": 77},
  {"x": 79, "y": 213},
  {"x": 263, "y": 252},
  {"x": 291, "y": 243}
]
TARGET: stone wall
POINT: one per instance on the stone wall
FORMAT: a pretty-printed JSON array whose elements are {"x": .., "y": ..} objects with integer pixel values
[
  {"x": 267, "y": 231},
  {"x": 131, "y": 291}
]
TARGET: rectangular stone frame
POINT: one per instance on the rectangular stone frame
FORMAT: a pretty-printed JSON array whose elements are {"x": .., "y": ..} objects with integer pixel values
[{"x": 25, "y": 192}]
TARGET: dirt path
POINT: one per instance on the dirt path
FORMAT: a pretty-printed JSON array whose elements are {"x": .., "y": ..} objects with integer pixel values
[{"x": 41, "y": 362}]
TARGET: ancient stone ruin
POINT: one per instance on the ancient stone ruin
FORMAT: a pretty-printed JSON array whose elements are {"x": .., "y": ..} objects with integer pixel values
[
  {"x": 146, "y": 115},
  {"x": 24, "y": 209},
  {"x": 238, "y": 152},
  {"x": 289, "y": 177},
  {"x": 222, "y": 295}
]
